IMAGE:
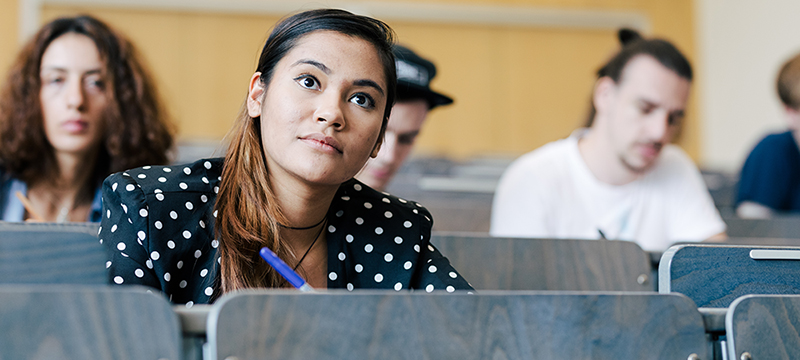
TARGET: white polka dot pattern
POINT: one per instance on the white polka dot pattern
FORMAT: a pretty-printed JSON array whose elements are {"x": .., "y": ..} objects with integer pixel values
[{"x": 374, "y": 239}]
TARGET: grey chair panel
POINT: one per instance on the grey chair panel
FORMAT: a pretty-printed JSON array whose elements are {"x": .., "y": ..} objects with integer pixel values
[
  {"x": 493, "y": 325},
  {"x": 86, "y": 322},
  {"x": 785, "y": 226},
  {"x": 762, "y": 241},
  {"x": 41, "y": 253},
  {"x": 765, "y": 326},
  {"x": 491, "y": 263},
  {"x": 715, "y": 275}
]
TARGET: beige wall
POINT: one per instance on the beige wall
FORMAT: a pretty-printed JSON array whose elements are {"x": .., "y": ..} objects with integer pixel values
[
  {"x": 743, "y": 45},
  {"x": 8, "y": 34},
  {"x": 516, "y": 88},
  {"x": 202, "y": 62}
]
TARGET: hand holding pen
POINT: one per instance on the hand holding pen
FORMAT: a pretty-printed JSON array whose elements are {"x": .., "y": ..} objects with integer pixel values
[
  {"x": 280, "y": 266},
  {"x": 29, "y": 208}
]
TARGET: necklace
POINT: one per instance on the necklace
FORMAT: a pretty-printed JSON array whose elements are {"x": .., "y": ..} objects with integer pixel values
[
  {"x": 63, "y": 214},
  {"x": 305, "y": 227},
  {"x": 310, "y": 246}
]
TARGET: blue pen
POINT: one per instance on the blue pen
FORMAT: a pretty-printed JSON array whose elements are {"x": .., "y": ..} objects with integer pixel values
[{"x": 290, "y": 275}]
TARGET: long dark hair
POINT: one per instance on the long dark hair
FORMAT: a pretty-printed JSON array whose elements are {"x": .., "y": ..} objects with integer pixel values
[
  {"x": 634, "y": 45},
  {"x": 248, "y": 215},
  {"x": 136, "y": 133}
]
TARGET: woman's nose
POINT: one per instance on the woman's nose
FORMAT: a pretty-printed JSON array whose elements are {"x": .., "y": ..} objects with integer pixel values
[
  {"x": 330, "y": 111},
  {"x": 75, "y": 95}
]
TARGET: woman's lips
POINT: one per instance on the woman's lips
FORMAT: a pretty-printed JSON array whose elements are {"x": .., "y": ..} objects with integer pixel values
[
  {"x": 322, "y": 142},
  {"x": 75, "y": 126}
]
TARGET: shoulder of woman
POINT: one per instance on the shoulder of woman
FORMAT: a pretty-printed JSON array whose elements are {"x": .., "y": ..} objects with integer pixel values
[
  {"x": 360, "y": 199},
  {"x": 157, "y": 189},
  {"x": 200, "y": 176}
]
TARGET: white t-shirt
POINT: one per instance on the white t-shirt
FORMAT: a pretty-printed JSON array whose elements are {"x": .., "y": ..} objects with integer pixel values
[{"x": 551, "y": 193}]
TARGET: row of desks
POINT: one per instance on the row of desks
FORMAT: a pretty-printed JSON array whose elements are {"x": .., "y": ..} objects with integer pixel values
[{"x": 194, "y": 319}]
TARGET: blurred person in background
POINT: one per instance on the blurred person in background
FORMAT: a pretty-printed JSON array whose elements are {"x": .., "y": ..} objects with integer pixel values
[
  {"x": 770, "y": 178},
  {"x": 414, "y": 100},
  {"x": 619, "y": 178},
  {"x": 76, "y": 106}
]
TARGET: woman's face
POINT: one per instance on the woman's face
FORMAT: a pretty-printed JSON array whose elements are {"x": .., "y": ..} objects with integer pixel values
[
  {"x": 72, "y": 95},
  {"x": 322, "y": 112}
]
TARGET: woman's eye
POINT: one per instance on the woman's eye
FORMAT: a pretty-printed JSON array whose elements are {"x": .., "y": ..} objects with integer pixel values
[
  {"x": 54, "y": 80},
  {"x": 308, "y": 82},
  {"x": 95, "y": 83},
  {"x": 363, "y": 100}
]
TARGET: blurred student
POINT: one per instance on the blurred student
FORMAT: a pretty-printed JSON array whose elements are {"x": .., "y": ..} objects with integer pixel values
[
  {"x": 414, "y": 100},
  {"x": 770, "y": 178},
  {"x": 620, "y": 178},
  {"x": 76, "y": 106}
]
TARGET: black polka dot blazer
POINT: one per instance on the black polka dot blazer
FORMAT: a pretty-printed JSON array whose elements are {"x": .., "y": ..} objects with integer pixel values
[{"x": 158, "y": 229}]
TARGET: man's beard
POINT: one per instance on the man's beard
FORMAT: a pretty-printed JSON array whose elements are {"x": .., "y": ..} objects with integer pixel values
[{"x": 642, "y": 168}]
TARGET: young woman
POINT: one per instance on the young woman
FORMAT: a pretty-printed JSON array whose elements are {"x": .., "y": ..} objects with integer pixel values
[
  {"x": 77, "y": 105},
  {"x": 316, "y": 110}
]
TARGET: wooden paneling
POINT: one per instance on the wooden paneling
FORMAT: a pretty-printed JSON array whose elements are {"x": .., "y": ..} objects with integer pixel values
[
  {"x": 489, "y": 325},
  {"x": 50, "y": 253},
  {"x": 715, "y": 275},
  {"x": 546, "y": 264},
  {"x": 516, "y": 87},
  {"x": 766, "y": 327},
  {"x": 777, "y": 227},
  {"x": 86, "y": 323},
  {"x": 9, "y": 43}
]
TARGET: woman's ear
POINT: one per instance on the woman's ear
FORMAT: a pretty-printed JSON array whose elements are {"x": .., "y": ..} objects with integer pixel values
[
  {"x": 377, "y": 148},
  {"x": 255, "y": 95}
]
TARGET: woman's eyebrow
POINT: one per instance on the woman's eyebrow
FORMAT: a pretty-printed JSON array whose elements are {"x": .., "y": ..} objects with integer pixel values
[
  {"x": 64, "y": 69},
  {"x": 314, "y": 63},
  {"x": 370, "y": 83}
]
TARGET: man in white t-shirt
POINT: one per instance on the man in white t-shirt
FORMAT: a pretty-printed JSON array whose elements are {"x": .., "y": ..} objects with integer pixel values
[{"x": 620, "y": 178}]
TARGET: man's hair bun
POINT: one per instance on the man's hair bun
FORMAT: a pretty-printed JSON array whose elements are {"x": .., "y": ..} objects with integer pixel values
[{"x": 628, "y": 36}]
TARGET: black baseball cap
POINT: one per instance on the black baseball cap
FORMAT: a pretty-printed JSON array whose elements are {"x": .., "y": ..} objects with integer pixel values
[{"x": 414, "y": 75}]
